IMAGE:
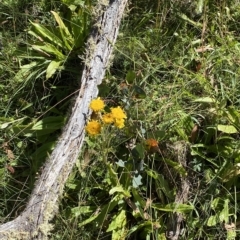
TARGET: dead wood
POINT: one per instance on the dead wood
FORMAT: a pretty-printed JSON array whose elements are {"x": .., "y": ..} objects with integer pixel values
[
  {"x": 176, "y": 220},
  {"x": 33, "y": 222}
]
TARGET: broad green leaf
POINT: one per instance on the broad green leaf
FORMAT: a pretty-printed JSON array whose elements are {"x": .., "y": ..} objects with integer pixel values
[
  {"x": 83, "y": 223},
  {"x": 80, "y": 29},
  {"x": 156, "y": 134},
  {"x": 99, "y": 216},
  {"x": 5, "y": 125},
  {"x": 42, "y": 127},
  {"x": 224, "y": 214},
  {"x": 146, "y": 225},
  {"x": 121, "y": 163},
  {"x": 223, "y": 149},
  {"x": 137, "y": 210},
  {"x": 42, "y": 70},
  {"x": 71, "y": 185},
  {"x": 199, "y": 7},
  {"x": 77, "y": 211},
  {"x": 49, "y": 49},
  {"x": 51, "y": 123},
  {"x": 178, "y": 167},
  {"x": 137, "y": 181},
  {"x": 162, "y": 185},
  {"x": 118, "y": 234},
  {"x": 181, "y": 132},
  {"x": 138, "y": 198},
  {"x": 113, "y": 175},
  {"x": 162, "y": 236},
  {"x": 31, "y": 55},
  {"x": 225, "y": 138},
  {"x": 184, "y": 125},
  {"x": 140, "y": 150},
  {"x": 119, "y": 221},
  {"x": 24, "y": 72},
  {"x": 152, "y": 174},
  {"x": 66, "y": 35},
  {"x": 61, "y": 24},
  {"x": 34, "y": 34},
  {"x": 205, "y": 100},
  {"x": 104, "y": 89},
  {"x": 234, "y": 116},
  {"x": 130, "y": 77},
  {"x": 215, "y": 203},
  {"x": 25, "y": 130},
  {"x": 119, "y": 189},
  {"x": 198, "y": 152},
  {"x": 41, "y": 31},
  {"x": 10, "y": 121},
  {"x": 173, "y": 207},
  {"x": 227, "y": 129},
  {"x": 28, "y": 107},
  {"x": 126, "y": 178},
  {"x": 231, "y": 173},
  {"x": 38, "y": 49},
  {"x": 52, "y": 68},
  {"x": 212, "y": 221},
  {"x": 118, "y": 225},
  {"x": 184, "y": 17},
  {"x": 138, "y": 92},
  {"x": 105, "y": 210},
  {"x": 34, "y": 72},
  {"x": 43, "y": 151}
]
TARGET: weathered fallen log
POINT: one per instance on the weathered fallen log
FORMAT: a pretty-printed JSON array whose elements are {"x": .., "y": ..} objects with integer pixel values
[
  {"x": 176, "y": 220},
  {"x": 33, "y": 222}
]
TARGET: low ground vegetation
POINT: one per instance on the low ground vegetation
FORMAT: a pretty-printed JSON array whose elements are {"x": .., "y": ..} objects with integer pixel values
[{"x": 167, "y": 112}]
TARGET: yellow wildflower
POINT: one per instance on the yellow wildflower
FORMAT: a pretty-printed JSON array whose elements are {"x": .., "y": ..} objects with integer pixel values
[
  {"x": 118, "y": 113},
  {"x": 97, "y": 104},
  {"x": 119, "y": 123},
  {"x": 108, "y": 118},
  {"x": 93, "y": 127}
]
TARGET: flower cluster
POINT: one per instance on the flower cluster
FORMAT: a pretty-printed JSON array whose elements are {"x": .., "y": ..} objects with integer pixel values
[{"x": 116, "y": 116}]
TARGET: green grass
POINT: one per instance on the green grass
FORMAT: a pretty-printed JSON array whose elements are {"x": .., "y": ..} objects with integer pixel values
[{"x": 168, "y": 86}]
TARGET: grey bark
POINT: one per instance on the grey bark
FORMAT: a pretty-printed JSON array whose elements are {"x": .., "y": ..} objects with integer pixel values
[
  {"x": 175, "y": 223},
  {"x": 33, "y": 222}
]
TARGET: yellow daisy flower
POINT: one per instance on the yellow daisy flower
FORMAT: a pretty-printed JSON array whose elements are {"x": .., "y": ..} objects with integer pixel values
[
  {"x": 93, "y": 127},
  {"x": 118, "y": 113},
  {"x": 107, "y": 118},
  {"x": 119, "y": 123},
  {"x": 97, "y": 104}
]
